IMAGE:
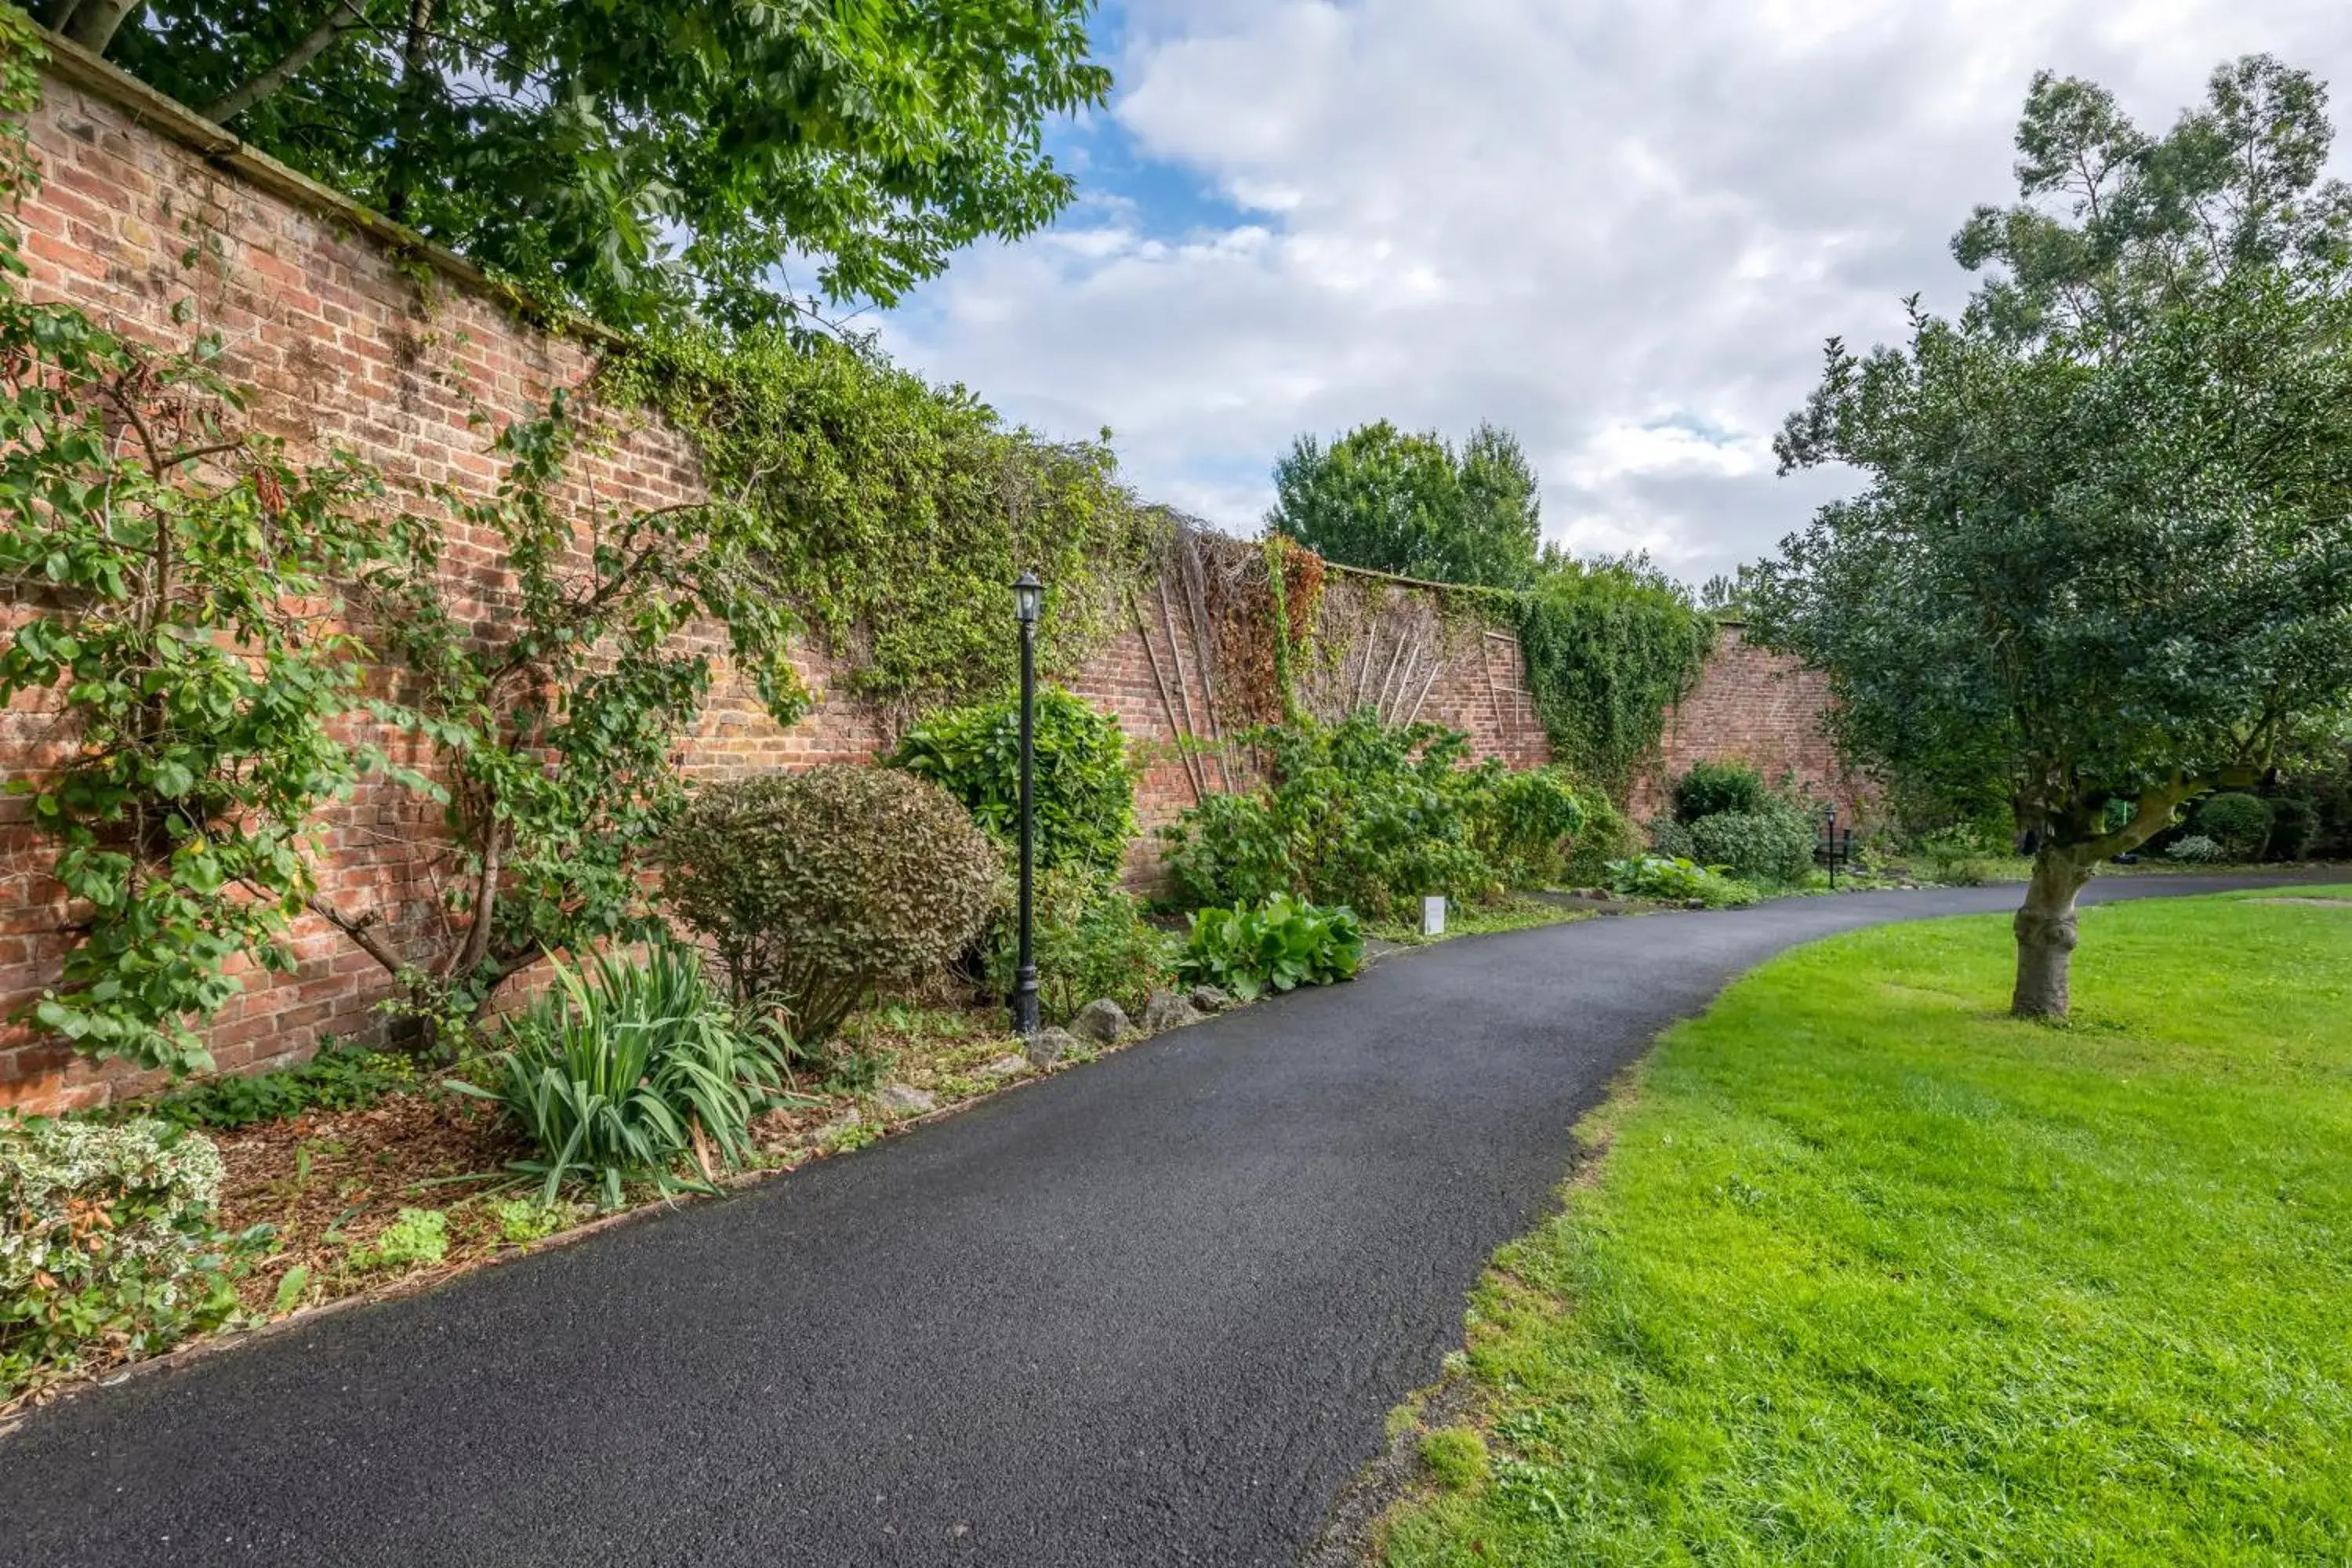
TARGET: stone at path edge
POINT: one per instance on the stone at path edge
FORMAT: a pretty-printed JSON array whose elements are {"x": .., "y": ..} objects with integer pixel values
[{"x": 1104, "y": 1022}]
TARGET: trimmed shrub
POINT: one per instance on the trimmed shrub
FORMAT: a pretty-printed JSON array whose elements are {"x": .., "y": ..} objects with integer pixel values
[
  {"x": 1669, "y": 836},
  {"x": 1522, "y": 822},
  {"x": 1084, "y": 791},
  {"x": 1277, "y": 945},
  {"x": 2196, "y": 848},
  {"x": 1605, "y": 838},
  {"x": 107, "y": 1250},
  {"x": 2239, "y": 824},
  {"x": 1773, "y": 843},
  {"x": 1709, "y": 789},
  {"x": 1091, "y": 941},
  {"x": 2294, "y": 828},
  {"x": 614, "y": 1071},
  {"x": 814, "y": 888}
]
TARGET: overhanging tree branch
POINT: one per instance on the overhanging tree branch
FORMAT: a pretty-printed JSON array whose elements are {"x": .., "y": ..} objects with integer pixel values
[{"x": 345, "y": 15}]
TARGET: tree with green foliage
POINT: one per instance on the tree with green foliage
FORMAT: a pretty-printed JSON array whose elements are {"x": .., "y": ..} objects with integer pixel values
[
  {"x": 558, "y": 729},
  {"x": 174, "y": 581},
  {"x": 2102, "y": 563},
  {"x": 2144, "y": 223},
  {"x": 1409, "y": 503},
  {"x": 645, "y": 161}
]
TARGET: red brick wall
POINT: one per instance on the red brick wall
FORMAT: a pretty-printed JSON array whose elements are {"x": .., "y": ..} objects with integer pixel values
[
  {"x": 342, "y": 345},
  {"x": 327, "y": 321},
  {"x": 1754, "y": 707}
]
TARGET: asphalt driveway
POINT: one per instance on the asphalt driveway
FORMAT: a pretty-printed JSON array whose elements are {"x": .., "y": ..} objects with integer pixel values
[{"x": 1148, "y": 1312}]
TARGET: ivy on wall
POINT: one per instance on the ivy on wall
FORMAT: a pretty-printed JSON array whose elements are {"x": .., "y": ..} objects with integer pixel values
[
  {"x": 1609, "y": 646},
  {"x": 897, "y": 513}
]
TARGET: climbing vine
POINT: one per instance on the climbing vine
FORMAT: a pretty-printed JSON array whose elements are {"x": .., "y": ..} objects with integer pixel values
[
  {"x": 895, "y": 513},
  {"x": 172, "y": 579},
  {"x": 1609, "y": 646}
]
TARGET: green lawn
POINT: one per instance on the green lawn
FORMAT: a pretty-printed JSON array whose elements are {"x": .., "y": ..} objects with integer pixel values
[{"x": 1871, "y": 1274}]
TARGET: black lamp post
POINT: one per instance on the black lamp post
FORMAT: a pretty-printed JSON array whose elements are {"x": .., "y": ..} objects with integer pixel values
[{"x": 1028, "y": 597}]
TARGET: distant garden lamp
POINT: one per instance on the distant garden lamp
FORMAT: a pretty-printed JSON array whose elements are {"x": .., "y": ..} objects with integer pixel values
[{"x": 1028, "y": 599}]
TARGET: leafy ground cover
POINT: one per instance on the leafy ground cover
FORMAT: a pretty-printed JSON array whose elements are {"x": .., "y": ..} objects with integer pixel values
[{"x": 1874, "y": 1274}]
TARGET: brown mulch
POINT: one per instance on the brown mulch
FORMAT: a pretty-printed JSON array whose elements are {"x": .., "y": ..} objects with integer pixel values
[{"x": 329, "y": 1181}]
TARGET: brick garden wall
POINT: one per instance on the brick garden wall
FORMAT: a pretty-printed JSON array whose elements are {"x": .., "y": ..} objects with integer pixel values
[
  {"x": 1754, "y": 707},
  {"x": 350, "y": 332},
  {"x": 345, "y": 339}
]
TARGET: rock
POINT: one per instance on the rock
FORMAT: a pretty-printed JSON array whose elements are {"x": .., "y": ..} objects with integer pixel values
[
  {"x": 1013, "y": 1064},
  {"x": 1165, "y": 1010},
  {"x": 1104, "y": 1022},
  {"x": 905, "y": 1099},
  {"x": 1209, "y": 999},
  {"x": 1048, "y": 1047}
]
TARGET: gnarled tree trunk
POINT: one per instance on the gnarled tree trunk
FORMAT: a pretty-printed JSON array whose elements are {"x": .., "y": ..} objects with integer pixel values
[
  {"x": 2046, "y": 932},
  {"x": 92, "y": 24}
]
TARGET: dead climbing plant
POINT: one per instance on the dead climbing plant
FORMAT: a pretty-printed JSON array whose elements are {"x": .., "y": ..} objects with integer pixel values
[{"x": 1239, "y": 634}]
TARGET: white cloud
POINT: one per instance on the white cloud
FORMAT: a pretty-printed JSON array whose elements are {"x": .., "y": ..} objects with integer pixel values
[{"x": 1621, "y": 229}]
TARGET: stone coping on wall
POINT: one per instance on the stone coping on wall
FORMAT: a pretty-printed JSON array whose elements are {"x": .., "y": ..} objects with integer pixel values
[{"x": 167, "y": 116}]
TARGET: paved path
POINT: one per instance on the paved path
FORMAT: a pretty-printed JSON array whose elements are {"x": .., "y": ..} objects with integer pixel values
[{"x": 1148, "y": 1312}]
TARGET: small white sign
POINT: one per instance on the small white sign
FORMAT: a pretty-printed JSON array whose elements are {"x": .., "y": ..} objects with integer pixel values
[{"x": 1433, "y": 916}]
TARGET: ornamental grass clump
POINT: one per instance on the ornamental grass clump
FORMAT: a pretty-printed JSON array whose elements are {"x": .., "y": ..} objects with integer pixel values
[
  {"x": 814, "y": 888},
  {"x": 623, "y": 1071},
  {"x": 108, "y": 1250}
]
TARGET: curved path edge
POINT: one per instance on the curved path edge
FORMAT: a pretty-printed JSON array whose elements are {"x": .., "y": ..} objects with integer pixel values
[{"x": 1152, "y": 1312}]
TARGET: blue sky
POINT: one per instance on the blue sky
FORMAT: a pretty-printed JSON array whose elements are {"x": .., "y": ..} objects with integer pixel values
[{"x": 1621, "y": 229}]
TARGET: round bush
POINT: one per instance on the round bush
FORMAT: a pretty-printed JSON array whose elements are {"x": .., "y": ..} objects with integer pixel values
[
  {"x": 1672, "y": 838},
  {"x": 1772, "y": 844},
  {"x": 106, "y": 1244},
  {"x": 813, "y": 887},
  {"x": 1522, "y": 821},
  {"x": 1606, "y": 837},
  {"x": 2239, "y": 824},
  {"x": 2294, "y": 828},
  {"x": 1710, "y": 789},
  {"x": 1085, "y": 794}
]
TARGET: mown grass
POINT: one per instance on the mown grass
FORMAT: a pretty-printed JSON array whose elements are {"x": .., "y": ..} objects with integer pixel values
[{"x": 1873, "y": 1275}]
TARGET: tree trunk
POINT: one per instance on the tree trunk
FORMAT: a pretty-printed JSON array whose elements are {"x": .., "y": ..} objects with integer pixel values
[
  {"x": 2046, "y": 933},
  {"x": 413, "y": 58},
  {"x": 93, "y": 23}
]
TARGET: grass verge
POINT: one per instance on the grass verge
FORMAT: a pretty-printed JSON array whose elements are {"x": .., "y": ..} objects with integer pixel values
[
  {"x": 1511, "y": 912},
  {"x": 1872, "y": 1274}
]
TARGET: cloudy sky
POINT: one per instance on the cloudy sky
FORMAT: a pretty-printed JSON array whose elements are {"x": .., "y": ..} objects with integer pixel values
[{"x": 1620, "y": 227}]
